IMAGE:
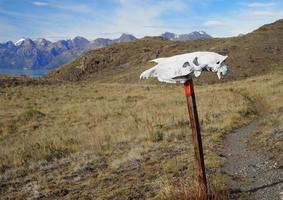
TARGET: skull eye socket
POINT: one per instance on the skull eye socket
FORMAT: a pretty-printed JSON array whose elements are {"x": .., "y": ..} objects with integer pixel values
[{"x": 186, "y": 64}]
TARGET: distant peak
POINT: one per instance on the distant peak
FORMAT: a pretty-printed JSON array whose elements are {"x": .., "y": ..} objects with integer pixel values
[
  {"x": 184, "y": 37},
  {"x": 126, "y": 35},
  {"x": 125, "y": 38},
  {"x": 80, "y": 41},
  {"x": 169, "y": 36},
  {"x": 23, "y": 41},
  {"x": 201, "y": 32},
  {"x": 168, "y": 33},
  {"x": 20, "y": 41},
  {"x": 42, "y": 41},
  {"x": 79, "y": 38}
]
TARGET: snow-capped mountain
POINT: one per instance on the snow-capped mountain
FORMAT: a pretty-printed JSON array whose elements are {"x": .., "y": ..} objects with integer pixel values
[
  {"x": 19, "y": 42},
  {"x": 41, "y": 53},
  {"x": 196, "y": 35},
  {"x": 42, "y": 42}
]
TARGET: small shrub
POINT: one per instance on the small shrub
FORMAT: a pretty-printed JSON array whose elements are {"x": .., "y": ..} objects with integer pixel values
[
  {"x": 182, "y": 135},
  {"x": 130, "y": 99},
  {"x": 55, "y": 152},
  {"x": 5, "y": 163},
  {"x": 36, "y": 152},
  {"x": 30, "y": 115},
  {"x": 157, "y": 136},
  {"x": 9, "y": 127},
  {"x": 174, "y": 165},
  {"x": 188, "y": 190},
  {"x": 100, "y": 98},
  {"x": 248, "y": 112},
  {"x": 216, "y": 137}
]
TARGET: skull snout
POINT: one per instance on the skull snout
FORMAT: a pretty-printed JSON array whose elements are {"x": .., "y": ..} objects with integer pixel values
[{"x": 224, "y": 69}]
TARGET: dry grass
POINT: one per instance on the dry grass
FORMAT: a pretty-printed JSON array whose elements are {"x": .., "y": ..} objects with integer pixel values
[
  {"x": 269, "y": 136},
  {"x": 126, "y": 137},
  {"x": 186, "y": 189},
  {"x": 76, "y": 118}
]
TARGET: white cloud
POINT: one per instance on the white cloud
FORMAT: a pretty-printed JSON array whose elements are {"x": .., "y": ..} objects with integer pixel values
[
  {"x": 245, "y": 18},
  {"x": 261, "y": 4},
  {"x": 80, "y": 8},
  {"x": 261, "y": 13},
  {"x": 40, "y": 3},
  {"x": 213, "y": 23},
  {"x": 245, "y": 21},
  {"x": 71, "y": 7},
  {"x": 142, "y": 18},
  {"x": 7, "y": 31}
]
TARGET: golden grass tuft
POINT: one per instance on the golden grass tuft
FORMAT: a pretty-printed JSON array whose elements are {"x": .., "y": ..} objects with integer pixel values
[{"x": 187, "y": 189}]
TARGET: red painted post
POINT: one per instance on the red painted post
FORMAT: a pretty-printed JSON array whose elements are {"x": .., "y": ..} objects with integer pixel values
[{"x": 197, "y": 142}]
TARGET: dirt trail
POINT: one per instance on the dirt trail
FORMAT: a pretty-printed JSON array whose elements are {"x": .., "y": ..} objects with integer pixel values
[{"x": 254, "y": 175}]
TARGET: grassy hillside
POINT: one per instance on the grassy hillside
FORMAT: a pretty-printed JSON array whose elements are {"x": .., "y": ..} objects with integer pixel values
[
  {"x": 256, "y": 53},
  {"x": 102, "y": 134},
  {"x": 119, "y": 141}
]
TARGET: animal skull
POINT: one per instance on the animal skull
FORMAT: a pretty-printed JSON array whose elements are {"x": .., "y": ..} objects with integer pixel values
[{"x": 181, "y": 68}]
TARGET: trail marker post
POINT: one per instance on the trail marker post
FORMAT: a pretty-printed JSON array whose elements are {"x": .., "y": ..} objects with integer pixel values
[
  {"x": 197, "y": 141},
  {"x": 182, "y": 68}
]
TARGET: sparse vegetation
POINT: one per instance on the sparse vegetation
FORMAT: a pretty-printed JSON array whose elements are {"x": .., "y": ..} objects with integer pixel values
[
  {"x": 186, "y": 189},
  {"x": 30, "y": 115},
  {"x": 110, "y": 137},
  {"x": 120, "y": 140},
  {"x": 157, "y": 136},
  {"x": 269, "y": 137}
]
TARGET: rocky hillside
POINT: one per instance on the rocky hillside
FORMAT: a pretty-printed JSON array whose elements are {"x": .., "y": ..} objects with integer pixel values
[{"x": 252, "y": 54}]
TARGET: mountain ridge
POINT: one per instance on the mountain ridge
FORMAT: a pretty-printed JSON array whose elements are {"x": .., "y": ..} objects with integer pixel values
[
  {"x": 252, "y": 54},
  {"x": 185, "y": 37},
  {"x": 42, "y": 53}
]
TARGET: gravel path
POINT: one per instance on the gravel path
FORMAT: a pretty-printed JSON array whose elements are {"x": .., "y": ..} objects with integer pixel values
[{"x": 254, "y": 176}]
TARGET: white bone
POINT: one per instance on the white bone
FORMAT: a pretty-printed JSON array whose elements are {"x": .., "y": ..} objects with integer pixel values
[{"x": 181, "y": 68}]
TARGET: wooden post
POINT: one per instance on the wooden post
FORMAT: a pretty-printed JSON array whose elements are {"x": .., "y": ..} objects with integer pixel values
[{"x": 197, "y": 142}]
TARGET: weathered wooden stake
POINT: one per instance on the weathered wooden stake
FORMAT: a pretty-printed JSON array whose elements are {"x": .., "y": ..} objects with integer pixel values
[{"x": 197, "y": 142}]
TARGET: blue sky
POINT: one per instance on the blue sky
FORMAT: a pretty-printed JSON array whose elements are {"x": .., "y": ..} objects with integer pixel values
[{"x": 63, "y": 19}]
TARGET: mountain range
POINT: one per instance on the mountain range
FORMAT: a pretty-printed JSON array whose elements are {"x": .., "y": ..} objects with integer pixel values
[
  {"x": 248, "y": 55},
  {"x": 196, "y": 35},
  {"x": 41, "y": 53}
]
